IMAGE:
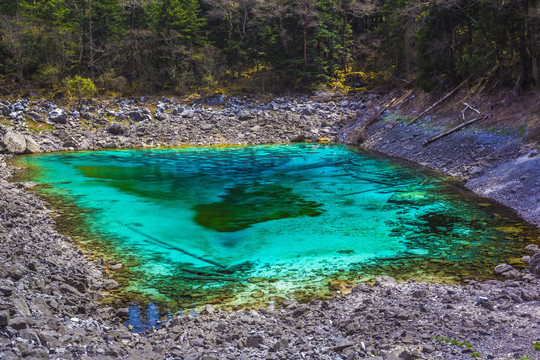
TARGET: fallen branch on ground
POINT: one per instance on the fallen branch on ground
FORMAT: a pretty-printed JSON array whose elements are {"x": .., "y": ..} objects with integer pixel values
[
  {"x": 438, "y": 102},
  {"x": 461, "y": 126}
]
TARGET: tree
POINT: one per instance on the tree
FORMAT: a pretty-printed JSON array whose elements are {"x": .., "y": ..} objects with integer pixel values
[
  {"x": 306, "y": 11},
  {"x": 81, "y": 88}
]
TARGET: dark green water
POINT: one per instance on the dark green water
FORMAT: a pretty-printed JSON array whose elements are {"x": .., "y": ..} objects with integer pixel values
[{"x": 238, "y": 225}]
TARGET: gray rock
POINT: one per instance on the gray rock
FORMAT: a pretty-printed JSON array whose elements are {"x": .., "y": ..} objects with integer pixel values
[
  {"x": 308, "y": 111},
  {"x": 21, "y": 306},
  {"x": 122, "y": 313},
  {"x": 244, "y": 115},
  {"x": 32, "y": 146},
  {"x": 14, "y": 142},
  {"x": 6, "y": 290},
  {"x": 254, "y": 341},
  {"x": 115, "y": 129},
  {"x": 385, "y": 281},
  {"x": 420, "y": 294},
  {"x": 138, "y": 115},
  {"x": 534, "y": 264},
  {"x": 342, "y": 346},
  {"x": 35, "y": 116},
  {"x": 512, "y": 274},
  {"x": 529, "y": 295},
  {"x": 187, "y": 114},
  {"x": 532, "y": 248},
  {"x": 502, "y": 268},
  {"x": 4, "y": 318},
  {"x": 178, "y": 111},
  {"x": 18, "y": 323},
  {"x": 116, "y": 267},
  {"x": 58, "y": 116},
  {"x": 111, "y": 284}
]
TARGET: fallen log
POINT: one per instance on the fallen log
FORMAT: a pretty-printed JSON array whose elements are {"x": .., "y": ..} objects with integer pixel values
[
  {"x": 206, "y": 278},
  {"x": 438, "y": 102},
  {"x": 461, "y": 126}
]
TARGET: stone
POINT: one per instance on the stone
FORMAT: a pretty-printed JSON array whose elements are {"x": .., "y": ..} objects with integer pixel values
[
  {"x": 18, "y": 323},
  {"x": 115, "y": 129},
  {"x": 299, "y": 138},
  {"x": 512, "y": 274},
  {"x": 6, "y": 290},
  {"x": 4, "y": 318},
  {"x": 122, "y": 313},
  {"x": 138, "y": 115},
  {"x": 58, "y": 116},
  {"x": 529, "y": 295},
  {"x": 342, "y": 346},
  {"x": 534, "y": 264},
  {"x": 32, "y": 146},
  {"x": 188, "y": 114},
  {"x": 209, "y": 309},
  {"x": 532, "y": 248},
  {"x": 385, "y": 281},
  {"x": 21, "y": 306},
  {"x": 420, "y": 294},
  {"x": 244, "y": 115},
  {"x": 254, "y": 341},
  {"x": 116, "y": 267},
  {"x": 111, "y": 284},
  {"x": 14, "y": 142},
  {"x": 502, "y": 268},
  {"x": 280, "y": 345},
  {"x": 307, "y": 111}
]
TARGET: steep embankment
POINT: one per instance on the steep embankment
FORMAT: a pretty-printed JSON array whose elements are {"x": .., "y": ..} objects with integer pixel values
[{"x": 495, "y": 166}]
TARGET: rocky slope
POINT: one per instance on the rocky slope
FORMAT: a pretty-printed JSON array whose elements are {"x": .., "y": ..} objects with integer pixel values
[
  {"x": 50, "y": 292},
  {"x": 496, "y": 166}
]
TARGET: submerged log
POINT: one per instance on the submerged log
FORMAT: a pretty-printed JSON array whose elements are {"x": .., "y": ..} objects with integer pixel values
[
  {"x": 162, "y": 243},
  {"x": 206, "y": 278}
]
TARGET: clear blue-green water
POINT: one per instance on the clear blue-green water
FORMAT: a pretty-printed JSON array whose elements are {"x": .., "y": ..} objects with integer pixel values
[{"x": 237, "y": 225}]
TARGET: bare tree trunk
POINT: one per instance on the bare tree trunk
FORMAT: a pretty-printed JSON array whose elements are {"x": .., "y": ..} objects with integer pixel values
[
  {"x": 305, "y": 48},
  {"x": 343, "y": 37},
  {"x": 91, "y": 38}
]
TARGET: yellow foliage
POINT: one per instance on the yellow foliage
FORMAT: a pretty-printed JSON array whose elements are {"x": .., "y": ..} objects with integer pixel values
[{"x": 340, "y": 80}]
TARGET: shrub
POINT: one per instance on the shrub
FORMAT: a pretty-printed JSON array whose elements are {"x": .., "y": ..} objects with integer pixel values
[{"x": 80, "y": 87}]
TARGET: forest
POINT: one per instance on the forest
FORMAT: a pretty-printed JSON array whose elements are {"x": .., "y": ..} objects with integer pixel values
[{"x": 136, "y": 46}]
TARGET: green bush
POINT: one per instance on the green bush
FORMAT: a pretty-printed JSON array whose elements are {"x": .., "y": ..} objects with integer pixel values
[{"x": 80, "y": 87}]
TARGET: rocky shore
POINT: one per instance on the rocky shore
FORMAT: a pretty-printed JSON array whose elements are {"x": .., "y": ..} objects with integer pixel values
[{"x": 50, "y": 291}]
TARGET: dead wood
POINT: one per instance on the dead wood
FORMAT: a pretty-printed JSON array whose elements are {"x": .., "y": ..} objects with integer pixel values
[
  {"x": 438, "y": 101},
  {"x": 461, "y": 126},
  {"x": 170, "y": 246}
]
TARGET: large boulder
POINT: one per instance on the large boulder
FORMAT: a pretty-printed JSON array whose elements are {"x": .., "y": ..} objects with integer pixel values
[
  {"x": 31, "y": 145},
  {"x": 115, "y": 129},
  {"x": 58, "y": 116},
  {"x": 138, "y": 114},
  {"x": 244, "y": 115},
  {"x": 14, "y": 142}
]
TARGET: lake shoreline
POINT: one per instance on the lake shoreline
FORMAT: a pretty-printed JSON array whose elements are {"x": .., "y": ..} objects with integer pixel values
[{"x": 51, "y": 308}]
